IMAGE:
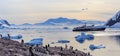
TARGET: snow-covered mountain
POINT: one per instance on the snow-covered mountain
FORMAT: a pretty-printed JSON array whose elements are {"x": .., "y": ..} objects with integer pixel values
[
  {"x": 52, "y": 21},
  {"x": 26, "y": 24},
  {"x": 59, "y": 21},
  {"x": 4, "y": 23},
  {"x": 67, "y": 21},
  {"x": 114, "y": 21}
]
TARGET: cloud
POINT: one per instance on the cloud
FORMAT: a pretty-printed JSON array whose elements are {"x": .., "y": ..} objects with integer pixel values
[
  {"x": 74, "y": 11},
  {"x": 71, "y": 11}
]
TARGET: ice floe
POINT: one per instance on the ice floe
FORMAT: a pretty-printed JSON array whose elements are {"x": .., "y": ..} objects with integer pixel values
[
  {"x": 36, "y": 41},
  {"x": 81, "y": 38},
  {"x": 63, "y": 41},
  {"x": 12, "y": 36},
  {"x": 93, "y": 47}
]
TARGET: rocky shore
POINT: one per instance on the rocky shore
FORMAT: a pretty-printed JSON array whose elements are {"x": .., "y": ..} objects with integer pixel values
[{"x": 13, "y": 48}]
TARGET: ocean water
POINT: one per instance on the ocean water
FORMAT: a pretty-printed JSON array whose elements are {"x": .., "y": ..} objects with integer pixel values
[{"x": 110, "y": 38}]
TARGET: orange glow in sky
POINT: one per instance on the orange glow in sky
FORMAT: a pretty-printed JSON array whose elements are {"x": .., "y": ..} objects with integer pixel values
[{"x": 32, "y": 11}]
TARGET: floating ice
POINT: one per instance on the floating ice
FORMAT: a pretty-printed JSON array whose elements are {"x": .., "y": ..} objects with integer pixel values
[
  {"x": 65, "y": 28},
  {"x": 36, "y": 41},
  {"x": 90, "y": 37},
  {"x": 81, "y": 38},
  {"x": 93, "y": 47},
  {"x": 63, "y": 41}
]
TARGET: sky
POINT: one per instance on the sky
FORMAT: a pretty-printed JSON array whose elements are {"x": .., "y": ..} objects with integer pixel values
[{"x": 34, "y": 11}]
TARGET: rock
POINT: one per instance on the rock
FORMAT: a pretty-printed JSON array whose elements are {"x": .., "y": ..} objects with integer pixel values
[{"x": 14, "y": 48}]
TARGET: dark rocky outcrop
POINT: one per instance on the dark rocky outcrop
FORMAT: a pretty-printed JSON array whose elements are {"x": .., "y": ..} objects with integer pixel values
[{"x": 13, "y": 48}]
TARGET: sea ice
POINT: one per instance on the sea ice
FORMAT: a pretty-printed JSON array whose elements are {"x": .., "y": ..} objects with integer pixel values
[
  {"x": 63, "y": 41},
  {"x": 36, "y": 41},
  {"x": 81, "y": 38},
  {"x": 12, "y": 36},
  {"x": 93, "y": 47}
]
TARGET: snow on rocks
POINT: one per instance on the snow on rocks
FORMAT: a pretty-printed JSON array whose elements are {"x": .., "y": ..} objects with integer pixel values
[
  {"x": 115, "y": 19},
  {"x": 4, "y": 23}
]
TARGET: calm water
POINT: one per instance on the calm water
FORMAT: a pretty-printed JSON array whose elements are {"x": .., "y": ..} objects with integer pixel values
[{"x": 52, "y": 34}]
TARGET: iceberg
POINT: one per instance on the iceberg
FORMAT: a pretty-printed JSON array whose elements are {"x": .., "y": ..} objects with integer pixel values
[
  {"x": 90, "y": 37},
  {"x": 81, "y": 38},
  {"x": 16, "y": 37},
  {"x": 36, "y": 41},
  {"x": 63, "y": 41},
  {"x": 93, "y": 47}
]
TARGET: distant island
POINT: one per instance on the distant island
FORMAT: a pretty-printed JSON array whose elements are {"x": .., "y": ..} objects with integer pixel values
[
  {"x": 66, "y": 21},
  {"x": 61, "y": 21}
]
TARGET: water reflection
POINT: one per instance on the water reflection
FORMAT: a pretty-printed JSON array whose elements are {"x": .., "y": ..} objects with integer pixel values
[{"x": 117, "y": 38}]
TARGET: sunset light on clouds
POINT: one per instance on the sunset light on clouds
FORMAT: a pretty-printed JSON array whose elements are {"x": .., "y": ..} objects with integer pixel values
[{"x": 32, "y": 11}]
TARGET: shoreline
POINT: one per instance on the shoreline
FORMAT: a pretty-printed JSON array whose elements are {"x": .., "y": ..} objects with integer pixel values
[{"x": 15, "y": 48}]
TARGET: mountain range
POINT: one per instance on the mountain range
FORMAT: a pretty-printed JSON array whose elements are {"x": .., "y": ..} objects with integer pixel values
[
  {"x": 65, "y": 21},
  {"x": 112, "y": 22},
  {"x": 60, "y": 21}
]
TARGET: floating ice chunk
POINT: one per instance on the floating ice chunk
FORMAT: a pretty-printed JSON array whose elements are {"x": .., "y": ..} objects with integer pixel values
[
  {"x": 81, "y": 38},
  {"x": 36, "y": 41},
  {"x": 65, "y": 28},
  {"x": 12, "y": 36},
  {"x": 63, "y": 41},
  {"x": 16, "y": 37},
  {"x": 93, "y": 47},
  {"x": 90, "y": 37},
  {"x": 83, "y": 35}
]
